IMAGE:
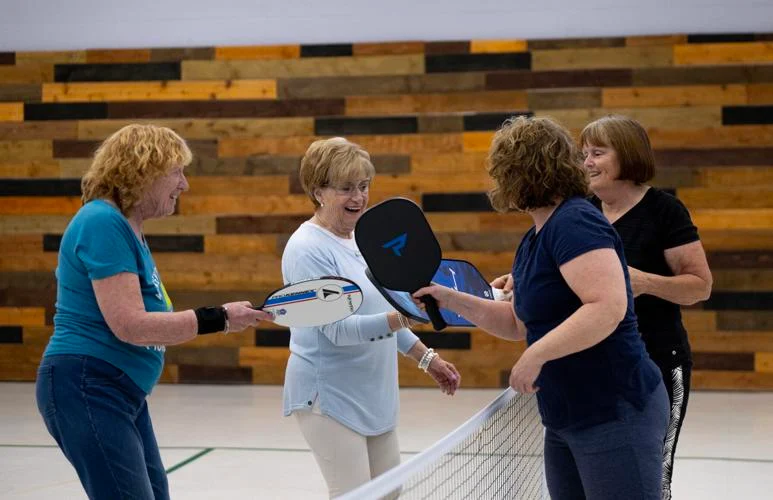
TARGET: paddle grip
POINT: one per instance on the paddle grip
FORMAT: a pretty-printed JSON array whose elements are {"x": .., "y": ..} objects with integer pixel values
[{"x": 433, "y": 311}]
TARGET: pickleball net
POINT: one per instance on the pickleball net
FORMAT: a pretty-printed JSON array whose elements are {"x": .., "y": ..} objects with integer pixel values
[{"x": 496, "y": 454}]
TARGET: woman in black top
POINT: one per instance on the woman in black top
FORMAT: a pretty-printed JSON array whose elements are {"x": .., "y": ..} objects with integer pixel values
[{"x": 666, "y": 260}]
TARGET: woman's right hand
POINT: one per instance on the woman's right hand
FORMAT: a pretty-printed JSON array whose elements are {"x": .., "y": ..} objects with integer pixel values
[
  {"x": 505, "y": 284},
  {"x": 443, "y": 295},
  {"x": 241, "y": 315}
]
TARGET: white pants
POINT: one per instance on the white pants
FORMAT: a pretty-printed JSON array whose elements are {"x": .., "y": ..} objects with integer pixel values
[{"x": 347, "y": 459}]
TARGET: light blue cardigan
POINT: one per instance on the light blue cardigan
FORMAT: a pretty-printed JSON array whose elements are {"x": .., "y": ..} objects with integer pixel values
[{"x": 350, "y": 365}]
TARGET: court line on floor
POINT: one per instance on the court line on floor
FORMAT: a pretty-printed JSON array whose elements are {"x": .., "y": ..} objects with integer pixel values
[{"x": 188, "y": 460}]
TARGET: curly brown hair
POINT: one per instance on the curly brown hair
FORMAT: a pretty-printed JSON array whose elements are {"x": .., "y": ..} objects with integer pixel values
[
  {"x": 332, "y": 162},
  {"x": 128, "y": 161},
  {"x": 629, "y": 140},
  {"x": 534, "y": 162}
]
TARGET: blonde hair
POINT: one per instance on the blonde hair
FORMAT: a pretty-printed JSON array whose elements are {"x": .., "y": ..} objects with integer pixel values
[
  {"x": 630, "y": 142},
  {"x": 332, "y": 162},
  {"x": 533, "y": 162},
  {"x": 128, "y": 161}
]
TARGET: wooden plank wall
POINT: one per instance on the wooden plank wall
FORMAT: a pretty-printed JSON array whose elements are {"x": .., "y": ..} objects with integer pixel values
[{"x": 426, "y": 111}]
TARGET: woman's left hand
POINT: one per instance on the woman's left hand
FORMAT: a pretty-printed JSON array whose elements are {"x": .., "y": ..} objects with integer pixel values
[
  {"x": 445, "y": 374},
  {"x": 525, "y": 373}
]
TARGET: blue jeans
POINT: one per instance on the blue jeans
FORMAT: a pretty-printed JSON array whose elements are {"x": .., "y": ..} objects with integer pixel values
[
  {"x": 613, "y": 460},
  {"x": 100, "y": 420}
]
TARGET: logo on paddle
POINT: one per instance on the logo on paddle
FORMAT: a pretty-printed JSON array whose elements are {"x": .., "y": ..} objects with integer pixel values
[
  {"x": 396, "y": 244},
  {"x": 329, "y": 293}
]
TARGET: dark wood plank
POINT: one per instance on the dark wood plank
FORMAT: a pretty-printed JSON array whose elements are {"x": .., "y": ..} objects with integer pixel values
[
  {"x": 750, "y": 259},
  {"x": 331, "y": 50},
  {"x": 559, "y": 79},
  {"x": 479, "y": 242},
  {"x": 75, "y": 148},
  {"x": 126, "y": 72},
  {"x": 489, "y": 121},
  {"x": 703, "y": 75},
  {"x": 66, "y": 111},
  {"x": 477, "y": 62},
  {"x": 20, "y": 92},
  {"x": 747, "y": 115},
  {"x": 458, "y": 340},
  {"x": 252, "y": 224},
  {"x": 226, "y": 109},
  {"x": 272, "y": 338},
  {"x": 31, "y": 280},
  {"x": 438, "y": 48},
  {"x": 8, "y": 58},
  {"x": 210, "y": 356},
  {"x": 456, "y": 202},
  {"x": 330, "y": 87},
  {"x": 745, "y": 301},
  {"x": 197, "y": 374},
  {"x": 366, "y": 126},
  {"x": 745, "y": 320},
  {"x": 721, "y": 38},
  {"x": 723, "y": 361},
  {"x": 576, "y": 43},
  {"x": 40, "y": 187},
  {"x": 11, "y": 335},
  {"x": 158, "y": 243}
]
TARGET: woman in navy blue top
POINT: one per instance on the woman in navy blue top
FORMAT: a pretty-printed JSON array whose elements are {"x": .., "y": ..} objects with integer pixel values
[{"x": 601, "y": 397}]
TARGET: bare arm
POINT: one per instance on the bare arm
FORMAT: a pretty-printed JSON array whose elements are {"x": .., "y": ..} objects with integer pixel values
[
  {"x": 597, "y": 278},
  {"x": 495, "y": 317},
  {"x": 690, "y": 283},
  {"x": 120, "y": 301}
]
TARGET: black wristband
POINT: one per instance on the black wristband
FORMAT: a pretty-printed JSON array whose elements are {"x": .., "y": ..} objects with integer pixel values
[{"x": 210, "y": 319}]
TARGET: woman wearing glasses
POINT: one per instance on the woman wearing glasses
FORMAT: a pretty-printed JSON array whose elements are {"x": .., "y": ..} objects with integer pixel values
[{"x": 341, "y": 379}]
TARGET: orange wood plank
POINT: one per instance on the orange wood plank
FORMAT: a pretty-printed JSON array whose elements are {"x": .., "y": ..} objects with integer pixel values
[
  {"x": 609, "y": 57},
  {"x": 23, "y": 316},
  {"x": 723, "y": 53},
  {"x": 736, "y": 176},
  {"x": 730, "y": 239},
  {"x": 727, "y": 197},
  {"x": 159, "y": 91},
  {"x": 763, "y": 361},
  {"x": 760, "y": 93},
  {"x": 497, "y": 46},
  {"x": 26, "y": 73},
  {"x": 29, "y": 262},
  {"x": 477, "y": 141},
  {"x": 761, "y": 218},
  {"x": 731, "y": 380},
  {"x": 247, "y": 52},
  {"x": 11, "y": 111},
  {"x": 691, "y": 95},
  {"x": 449, "y": 163},
  {"x": 247, "y": 205},
  {"x": 238, "y": 185},
  {"x": 20, "y": 244},
  {"x": 33, "y": 224},
  {"x": 241, "y": 244},
  {"x": 39, "y": 205}
]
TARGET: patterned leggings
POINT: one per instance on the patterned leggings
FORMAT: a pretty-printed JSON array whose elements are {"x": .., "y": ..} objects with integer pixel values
[{"x": 677, "y": 382}]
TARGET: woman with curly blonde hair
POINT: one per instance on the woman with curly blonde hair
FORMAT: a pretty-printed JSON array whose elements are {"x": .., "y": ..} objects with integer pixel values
[
  {"x": 114, "y": 318},
  {"x": 601, "y": 398}
]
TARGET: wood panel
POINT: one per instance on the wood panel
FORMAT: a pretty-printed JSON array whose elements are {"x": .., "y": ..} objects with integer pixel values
[
  {"x": 11, "y": 112},
  {"x": 426, "y": 112},
  {"x": 695, "y": 95},
  {"x": 723, "y": 53},
  {"x": 159, "y": 91}
]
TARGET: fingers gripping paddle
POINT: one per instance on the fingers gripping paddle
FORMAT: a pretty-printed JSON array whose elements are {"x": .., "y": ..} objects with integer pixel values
[
  {"x": 400, "y": 249},
  {"x": 313, "y": 302}
]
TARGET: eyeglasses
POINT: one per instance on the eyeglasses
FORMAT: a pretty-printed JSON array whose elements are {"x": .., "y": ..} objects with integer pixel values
[{"x": 350, "y": 188}]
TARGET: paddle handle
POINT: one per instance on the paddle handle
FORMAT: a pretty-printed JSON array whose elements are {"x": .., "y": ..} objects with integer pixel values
[{"x": 433, "y": 311}]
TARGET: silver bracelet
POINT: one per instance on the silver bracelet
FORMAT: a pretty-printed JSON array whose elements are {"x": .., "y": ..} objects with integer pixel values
[
  {"x": 403, "y": 321},
  {"x": 426, "y": 359},
  {"x": 227, "y": 325}
]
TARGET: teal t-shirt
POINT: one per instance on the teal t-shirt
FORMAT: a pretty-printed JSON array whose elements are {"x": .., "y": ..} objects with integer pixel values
[{"x": 99, "y": 243}]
